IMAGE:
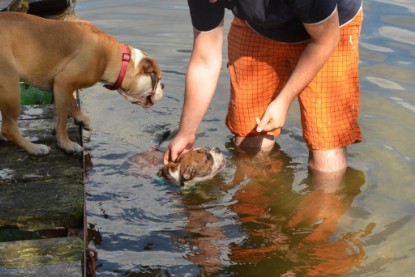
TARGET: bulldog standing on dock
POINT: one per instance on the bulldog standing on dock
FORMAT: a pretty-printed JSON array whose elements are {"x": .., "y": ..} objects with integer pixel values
[{"x": 65, "y": 56}]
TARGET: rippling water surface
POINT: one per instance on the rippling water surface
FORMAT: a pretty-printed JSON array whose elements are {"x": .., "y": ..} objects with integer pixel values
[{"x": 265, "y": 216}]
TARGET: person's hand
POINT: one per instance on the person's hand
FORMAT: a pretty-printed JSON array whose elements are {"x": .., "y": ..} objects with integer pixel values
[
  {"x": 274, "y": 116},
  {"x": 179, "y": 145}
]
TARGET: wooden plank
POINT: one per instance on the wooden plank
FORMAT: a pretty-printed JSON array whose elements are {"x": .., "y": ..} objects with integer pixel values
[
  {"x": 16, "y": 166},
  {"x": 48, "y": 257},
  {"x": 43, "y": 205},
  {"x": 37, "y": 124},
  {"x": 41, "y": 202},
  {"x": 40, "y": 192}
]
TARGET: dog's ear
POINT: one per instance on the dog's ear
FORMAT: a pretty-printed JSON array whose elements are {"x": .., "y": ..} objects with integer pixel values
[
  {"x": 165, "y": 170},
  {"x": 149, "y": 66},
  {"x": 189, "y": 173},
  {"x": 160, "y": 173}
]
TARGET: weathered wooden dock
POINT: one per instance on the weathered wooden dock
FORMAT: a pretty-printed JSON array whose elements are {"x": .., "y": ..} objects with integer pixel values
[{"x": 41, "y": 203}]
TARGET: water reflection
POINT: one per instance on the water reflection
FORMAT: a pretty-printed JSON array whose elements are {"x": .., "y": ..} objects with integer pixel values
[{"x": 275, "y": 231}]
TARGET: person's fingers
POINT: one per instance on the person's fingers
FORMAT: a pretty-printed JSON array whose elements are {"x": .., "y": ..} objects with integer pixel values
[
  {"x": 166, "y": 156},
  {"x": 259, "y": 124},
  {"x": 169, "y": 156},
  {"x": 265, "y": 125}
]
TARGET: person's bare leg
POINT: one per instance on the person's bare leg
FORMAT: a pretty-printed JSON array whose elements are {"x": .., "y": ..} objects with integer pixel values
[
  {"x": 263, "y": 143},
  {"x": 327, "y": 182},
  {"x": 328, "y": 160}
]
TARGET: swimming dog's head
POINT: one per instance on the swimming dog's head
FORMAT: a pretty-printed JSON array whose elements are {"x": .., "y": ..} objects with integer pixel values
[{"x": 193, "y": 167}]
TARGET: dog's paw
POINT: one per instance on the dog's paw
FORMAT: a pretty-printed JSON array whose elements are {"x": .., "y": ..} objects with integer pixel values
[
  {"x": 72, "y": 148},
  {"x": 81, "y": 119},
  {"x": 86, "y": 126},
  {"x": 84, "y": 123},
  {"x": 40, "y": 150}
]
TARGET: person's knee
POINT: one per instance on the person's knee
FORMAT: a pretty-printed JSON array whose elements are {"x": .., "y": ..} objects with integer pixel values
[
  {"x": 254, "y": 144},
  {"x": 328, "y": 160}
]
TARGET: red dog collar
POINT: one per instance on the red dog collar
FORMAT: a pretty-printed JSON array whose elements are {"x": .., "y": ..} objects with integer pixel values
[{"x": 126, "y": 57}]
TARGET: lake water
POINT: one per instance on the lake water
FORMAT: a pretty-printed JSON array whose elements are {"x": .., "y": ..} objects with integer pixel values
[{"x": 262, "y": 216}]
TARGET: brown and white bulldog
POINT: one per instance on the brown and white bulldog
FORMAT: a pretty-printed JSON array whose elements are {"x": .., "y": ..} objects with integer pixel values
[
  {"x": 193, "y": 167},
  {"x": 65, "y": 56}
]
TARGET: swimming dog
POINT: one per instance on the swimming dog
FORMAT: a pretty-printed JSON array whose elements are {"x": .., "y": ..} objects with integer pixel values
[{"x": 193, "y": 167}]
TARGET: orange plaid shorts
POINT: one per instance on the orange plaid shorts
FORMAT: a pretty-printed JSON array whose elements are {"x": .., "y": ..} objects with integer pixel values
[{"x": 260, "y": 67}]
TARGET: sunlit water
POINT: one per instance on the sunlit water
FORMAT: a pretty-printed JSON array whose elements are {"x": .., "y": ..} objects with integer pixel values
[{"x": 260, "y": 217}]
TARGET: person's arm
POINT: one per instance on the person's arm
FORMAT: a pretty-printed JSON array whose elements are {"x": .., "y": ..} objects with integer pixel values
[
  {"x": 201, "y": 80},
  {"x": 323, "y": 42}
]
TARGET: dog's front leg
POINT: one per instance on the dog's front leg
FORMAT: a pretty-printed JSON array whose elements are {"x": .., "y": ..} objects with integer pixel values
[
  {"x": 63, "y": 100},
  {"x": 79, "y": 116}
]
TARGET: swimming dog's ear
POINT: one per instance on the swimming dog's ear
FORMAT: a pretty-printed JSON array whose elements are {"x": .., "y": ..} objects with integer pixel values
[
  {"x": 165, "y": 170},
  {"x": 161, "y": 172},
  {"x": 189, "y": 173}
]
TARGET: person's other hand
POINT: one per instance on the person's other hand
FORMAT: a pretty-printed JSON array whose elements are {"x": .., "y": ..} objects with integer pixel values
[{"x": 274, "y": 116}]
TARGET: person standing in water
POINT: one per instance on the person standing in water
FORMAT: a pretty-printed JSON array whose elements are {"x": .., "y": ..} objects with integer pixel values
[{"x": 277, "y": 51}]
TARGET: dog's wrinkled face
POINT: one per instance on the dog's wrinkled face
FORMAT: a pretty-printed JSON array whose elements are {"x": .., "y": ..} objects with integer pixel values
[
  {"x": 143, "y": 80},
  {"x": 194, "y": 167}
]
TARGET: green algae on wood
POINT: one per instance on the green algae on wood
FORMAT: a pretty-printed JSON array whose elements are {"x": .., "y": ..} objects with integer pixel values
[{"x": 60, "y": 256}]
